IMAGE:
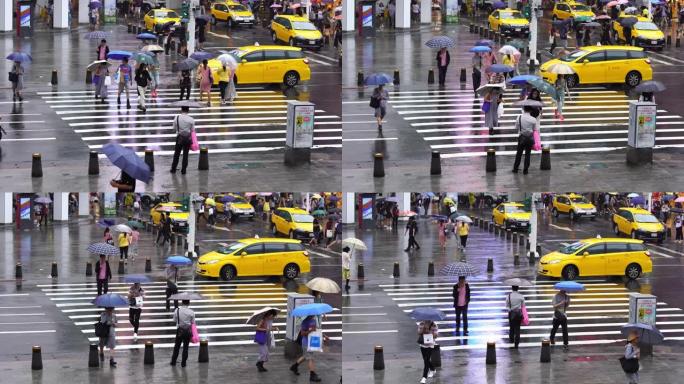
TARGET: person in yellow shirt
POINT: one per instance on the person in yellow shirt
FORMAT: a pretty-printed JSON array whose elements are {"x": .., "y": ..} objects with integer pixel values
[
  {"x": 508, "y": 60},
  {"x": 463, "y": 231},
  {"x": 226, "y": 84},
  {"x": 124, "y": 242},
  {"x": 267, "y": 210}
]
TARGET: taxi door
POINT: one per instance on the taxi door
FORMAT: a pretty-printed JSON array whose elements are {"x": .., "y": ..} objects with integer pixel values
[
  {"x": 593, "y": 260},
  {"x": 282, "y": 29},
  {"x": 617, "y": 62},
  {"x": 591, "y": 69},
  {"x": 623, "y": 220},
  {"x": 562, "y": 204},
  {"x": 250, "y": 70},
  {"x": 562, "y": 11},
  {"x": 498, "y": 214},
  {"x": 494, "y": 20},
  {"x": 149, "y": 20},
  {"x": 251, "y": 260},
  {"x": 275, "y": 258},
  {"x": 220, "y": 12},
  {"x": 618, "y": 255},
  {"x": 275, "y": 65}
]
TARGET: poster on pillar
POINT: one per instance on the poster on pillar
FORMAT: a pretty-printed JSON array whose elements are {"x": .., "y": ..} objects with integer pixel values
[
  {"x": 110, "y": 11},
  {"x": 451, "y": 11}
]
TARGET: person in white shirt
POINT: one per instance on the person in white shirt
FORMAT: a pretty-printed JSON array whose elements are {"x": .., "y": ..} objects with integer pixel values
[
  {"x": 184, "y": 317},
  {"x": 514, "y": 304},
  {"x": 346, "y": 266}
]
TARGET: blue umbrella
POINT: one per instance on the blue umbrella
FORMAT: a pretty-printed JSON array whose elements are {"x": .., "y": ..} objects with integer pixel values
[
  {"x": 648, "y": 334},
  {"x": 427, "y": 313},
  {"x": 378, "y": 79},
  {"x": 480, "y": 49},
  {"x": 137, "y": 279},
  {"x": 128, "y": 161},
  {"x": 104, "y": 223},
  {"x": 96, "y": 35},
  {"x": 94, "y": 4},
  {"x": 669, "y": 197},
  {"x": 109, "y": 300},
  {"x": 569, "y": 286},
  {"x": 103, "y": 249},
  {"x": 146, "y": 36},
  {"x": 440, "y": 42},
  {"x": 639, "y": 200},
  {"x": 484, "y": 43},
  {"x": 202, "y": 55},
  {"x": 498, "y": 5},
  {"x": 499, "y": 68},
  {"x": 544, "y": 86},
  {"x": 314, "y": 309},
  {"x": 20, "y": 57},
  {"x": 178, "y": 260},
  {"x": 187, "y": 65},
  {"x": 119, "y": 55},
  {"x": 522, "y": 79}
]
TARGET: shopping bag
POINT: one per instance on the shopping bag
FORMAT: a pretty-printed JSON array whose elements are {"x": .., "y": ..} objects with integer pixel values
[
  {"x": 537, "y": 141},
  {"x": 428, "y": 339},
  {"x": 272, "y": 341},
  {"x": 195, "y": 334},
  {"x": 525, "y": 317},
  {"x": 315, "y": 342},
  {"x": 629, "y": 365},
  {"x": 485, "y": 106},
  {"x": 108, "y": 81},
  {"x": 260, "y": 337},
  {"x": 194, "y": 146},
  {"x": 139, "y": 301},
  {"x": 500, "y": 110}
]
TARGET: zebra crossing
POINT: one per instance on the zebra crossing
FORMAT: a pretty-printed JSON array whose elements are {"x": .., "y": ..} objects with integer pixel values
[
  {"x": 255, "y": 122},
  {"x": 596, "y": 120},
  {"x": 594, "y": 317},
  {"x": 220, "y": 317}
]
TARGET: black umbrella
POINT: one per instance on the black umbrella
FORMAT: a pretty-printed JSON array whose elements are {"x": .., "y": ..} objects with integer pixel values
[
  {"x": 187, "y": 65},
  {"x": 628, "y": 21},
  {"x": 560, "y": 23},
  {"x": 650, "y": 86},
  {"x": 591, "y": 24}
]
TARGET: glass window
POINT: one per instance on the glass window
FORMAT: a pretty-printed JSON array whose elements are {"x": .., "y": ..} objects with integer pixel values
[
  {"x": 500, "y": 208},
  {"x": 636, "y": 247},
  {"x": 150, "y": 13},
  {"x": 230, "y": 248},
  {"x": 637, "y": 54},
  {"x": 645, "y": 26},
  {"x": 572, "y": 248},
  {"x": 274, "y": 55},
  {"x": 579, "y": 200},
  {"x": 284, "y": 22},
  {"x": 496, "y": 14},
  {"x": 645, "y": 218},
  {"x": 166, "y": 15},
  {"x": 220, "y": 7},
  {"x": 285, "y": 215},
  {"x": 300, "y": 218},
  {"x": 616, "y": 55},
  {"x": 294, "y": 247},
  {"x": 596, "y": 249},
  {"x": 294, "y": 54},
  {"x": 514, "y": 209},
  {"x": 254, "y": 249},
  {"x": 237, "y": 8},
  {"x": 304, "y": 26},
  {"x": 274, "y": 247},
  {"x": 595, "y": 57},
  {"x": 573, "y": 56},
  {"x": 253, "y": 57},
  {"x": 511, "y": 15},
  {"x": 617, "y": 247},
  {"x": 626, "y": 214},
  {"x": 581, "y": 8}
]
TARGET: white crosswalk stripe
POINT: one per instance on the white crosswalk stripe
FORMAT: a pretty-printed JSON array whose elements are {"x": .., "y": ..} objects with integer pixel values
[
  {"x": 596, "y": 120},
  {"x": 220, "y": 317},
  {"x": 594, "y": 317},
  {"x": 255, "y": 122}
]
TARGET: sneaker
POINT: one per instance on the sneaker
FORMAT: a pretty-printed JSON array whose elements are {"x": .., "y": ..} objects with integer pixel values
[
  {"x": 431, "y": 374},
  {"x": 183, "y": 364},
  {"x": 112, "y": 363},
  {"x": 135, "y": 336},
  {"x": 566, "y": 348},
  {"x": 423, "y": 380},
  {"x": 295, "y": 368}
]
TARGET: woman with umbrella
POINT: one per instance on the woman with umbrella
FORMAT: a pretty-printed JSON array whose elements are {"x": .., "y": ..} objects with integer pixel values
[
  {"x": 226, "y": 84},
  {"x": 477, "y": 68},
  {"x": 205, "y": 78},
  {"x": 17, "y": 79},
  {"x": 307, "y": 326},
  {"x": 380, "y": 96},
  {"x": 561, "y": 86},
  {"x": 264, "y": 335},
  {"x": 490, "y": 106},
  {"x": 108, "y": 318},
  {"x": 632, "y": 352}
]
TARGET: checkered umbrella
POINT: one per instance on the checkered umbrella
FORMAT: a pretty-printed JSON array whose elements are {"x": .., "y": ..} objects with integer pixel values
[
  {"x": 103, "y": 249},
  {"x": 458, "y": 269},
  {"x": 441, "y": 42}
]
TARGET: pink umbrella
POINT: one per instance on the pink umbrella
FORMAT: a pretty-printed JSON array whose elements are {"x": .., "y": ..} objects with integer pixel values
[
  {"x": 680, "y": 199},
  {"x": 295, "y": 5},
  {"x": 406, "y": 213},
  {"x": 612, "y": 3},
  {"x": 276, "y": 6}
]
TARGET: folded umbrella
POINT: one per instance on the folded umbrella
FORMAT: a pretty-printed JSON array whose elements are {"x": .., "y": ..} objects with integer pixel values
[
  {"x": 128, "y": 161},
  {"x": 178, "y": 260},
  {"x": 518, "y": 282},
  {"x": 499, "y": 68},
  {"x": 119, "y": 55},
  {"x": 569, "y": 286},
  {"x": 440, "y": 42},
  {"x": 137, "y": 279},
  {"x": 480, "y": 49},
  {"x": 650, "y": 86},
  {"x": 123, "y": 228},
  {"x": 20, "y": 57},
  {"x": 187, "y": 296},
  {"x": 458, "y": 269},
  {"x": 427, "y": 313},
  {"x": 146, "y": 36},
  {"x": 103, "y": 249},
  {"x": 379, "y": 79},
  {"x": 228, "y": 60},
  {"x": 110, "y": 300},
  {"x": 314, "y": 309},
  {"x": 259, "y": 314},
  {"x": 648, "y": 334},
  {"x": 202, "y": 55},
  {"x": 323, "y": 285}
]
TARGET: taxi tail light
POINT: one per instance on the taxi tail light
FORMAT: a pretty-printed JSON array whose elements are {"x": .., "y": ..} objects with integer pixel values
[
  {"x": 306, "y": 61},
  {"x": 648, "y": 61},
  {"x": 648, "y": 253},
  {"x": 306, "y": 253}
]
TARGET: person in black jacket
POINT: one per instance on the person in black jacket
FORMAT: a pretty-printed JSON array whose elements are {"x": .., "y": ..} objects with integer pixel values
[
  {"x": 461, "y": 294},
  {"x": 443, "y": 60},
  {"x": 142, "y": 79},
  {"x": 103, "y": 273}
]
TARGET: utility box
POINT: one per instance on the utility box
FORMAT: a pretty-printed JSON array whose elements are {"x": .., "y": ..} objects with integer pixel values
[
  {"x": 300, "y": 132},
  {"x": 294, "y": 300},
  {"x": 641, "y": 132}
]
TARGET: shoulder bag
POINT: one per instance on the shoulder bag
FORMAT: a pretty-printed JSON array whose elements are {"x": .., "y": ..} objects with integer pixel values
[
  {"x": 629, "y": 365},
  {"x": 13, "y": 77},
  {"x": 374, "y": 102},
  {"x": 101, "y": 329}
]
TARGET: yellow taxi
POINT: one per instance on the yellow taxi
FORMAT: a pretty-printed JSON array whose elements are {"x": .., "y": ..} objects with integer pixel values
[
  {"x": 573, "y": 205},
  {"x": 572, "y": 10},
  {"x": 297, "y": 31},
  {"x": 261, "y": 64},
  {"x": 511, "y": 216},
  {"x": 179, "y": 217},
  {"x": 603, "y": 65},
  {"x": 597, "y": 257},
  {"x": 232, "y": 14},
  {"x": 256, "y": 257},
  {"x": 156, "y": 18},
  {"x": 294, "y": 222},
  {"x": 235, "y": 205},
  {"x": 645, "y": 33},
  {"x": 638, "y": 223},
  {"x": 509, "y": 22}
]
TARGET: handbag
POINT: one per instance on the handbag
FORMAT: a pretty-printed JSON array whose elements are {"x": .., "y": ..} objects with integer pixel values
[
  {"x": 107, "y": 81},
  {"x": 374, "y": 102},
  {"x": 537, "y": 141},
  {"x": 101, "y": 329},
  {"x": 525, "y": 316},
  {"x": 194, "y": 334},
  {"x": 428, "y": 339},
  {"x": 13, "y": 77},
  {"x": 485, "y": 106},
  {"x": 629, "y": 365},
  {"x": 260, "y": 337},
  {"x": 500, "y": 110},
  {"x": 194, "y": 145},
  {"x": 315, "y": 342},
  {"x": 272, "y": 341},
  {"x": 329, "y": 233}
]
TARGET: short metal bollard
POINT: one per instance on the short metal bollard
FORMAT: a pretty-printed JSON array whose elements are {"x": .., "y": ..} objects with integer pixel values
[
  {"x": 89, "y": 76},
  {"x": 36, "y": 358},
  {"x": 89, "y": 269},
  {"x": 203, "y": 164},
  {"x": 396, "y": 77},
  {"x": 516, "y": 259},
  {"x": 359, "y": 79},
  {"x": 395, "y": 271},
  {"x": 545, "y": 351},
  {"x": 203, "y": 352},
  {"x": 490, "y": 265},
  {"x": 37, "y": 165},
  {"x": 93, "y": 360},
  {"x": 149, "y": 159},
  {"x": 53, "y": 80},
  {"x": 148, "y": 265},
  {"x": 491, "y": 353},
  {"x": 18, "y": 273},
  {"x": 431, "y": 76},
  {"x": 359, "y": 272},
  {"x": 93, "y": 163},
  {"x": 54, "y": 272},
  {"x": 462, "y": 76},
  {"x": 149, "y": 353},
  {"x": 436, "y": 357},
  {"x": 545, "y": 163},
  {"x": 378, "y": 358},
  {"x": 378, "y": 165},
  {"x": 431, "y": 269},
  {"x": 436, "y": 163},
  {"x": 491, "y": 160},
  {"x": 121, "y": 268}
]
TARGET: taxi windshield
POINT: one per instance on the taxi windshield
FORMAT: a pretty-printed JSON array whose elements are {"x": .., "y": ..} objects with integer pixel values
[
  {"x": 166, "y": 15},
  {"x": 579, "y": 200},
  {"x": 302, "y": 218},
  {"x": 237, "y": 54},
  {"x": 645, "y": 218},
  {"x": 303, "y": 26},
  {"x": 230, "y": 248},
  {"x": 572, "y": 248},
  {"x": 646, "y": 26},
  {"x": 580, "y": 8},
  {"x": 573, "y": 56},
  {"x": 510, "y": 15},
  {"x": 239, "y": 200},
  {"x": 514, "y": 209},
  {"x": 237, "y": 8}
]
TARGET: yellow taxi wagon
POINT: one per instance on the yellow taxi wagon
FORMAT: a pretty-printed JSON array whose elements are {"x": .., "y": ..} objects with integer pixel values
[
  {"x": 645, "y": 33},
  {"x": 597, "y": 257},
  {"x": 509, "y": 22},
  {"x": 573, "y": 205},
  {"x": 638, "y": 223},
  {"x": 296, "y": 31},
  {"x": 511, "y": 216},
  {"x": 268, "y": 64},
  {"x": 179, "y": 217},
  {"x": 238, "y": 207},
  {"x": 603, "y": 65},
  {"x": 232, "y": 14},
  {"x": 293, "y": 222},
  {"x": 156, "y": 18},
  {"x": 572, "y": 10},
  {"x": 255, "y": 257}
]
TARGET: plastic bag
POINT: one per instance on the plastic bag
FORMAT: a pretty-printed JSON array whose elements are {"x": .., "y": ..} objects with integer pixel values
[
  {"x": 315, "y": 342},
  {"x": 525, "y": 316},
  {"x": 108, "y": 81},
  {"x": 537, "y": 141},
  {"x": 485, "y": 106},
  {"x": 195, "y": 334},
  {"x": 194, "y": 146},
  {"x": 500, "y": 110}
]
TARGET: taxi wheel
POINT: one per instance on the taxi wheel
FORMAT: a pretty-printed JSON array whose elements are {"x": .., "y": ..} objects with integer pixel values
[
  {"x": 572, "y": 81},
  {"x": 616, "y": 229},
  {"x": 291, "y": 235},
  {"x": 570, "y": 272},
  {"x": 292, "y": 43},
  {"x": 572, "y": 215},
  {"x": 555, "y": 212},
  {"x": 634, "y": 235},
  {"x": 291, "y": 271},
  {"x": 633, "y": 271},
  {"x": 274, "y": 230},
  {"x": 291, "y": 79},
  {"x": 230, "y": 23},
  {"x": 633, "y": 79},
  {"x": 228, "y": 273},
  {"x": 213, "y": 20},
  {"x": 274, "y": 38}
]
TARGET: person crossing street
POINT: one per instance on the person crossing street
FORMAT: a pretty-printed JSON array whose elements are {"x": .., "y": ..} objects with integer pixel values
[
  {"x": 561, "y": 301},
  {"x": 514, "y": 304},
  {"x": 412, "y": 230},
  {"x": 461, "y": 295},
  {"x": 184, "y": 317},
  {"x": 103, "y": 275}
]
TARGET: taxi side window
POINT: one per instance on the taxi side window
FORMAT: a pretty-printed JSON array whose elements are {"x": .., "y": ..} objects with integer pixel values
[
  {"x": 595, "y": 57},
  {"x": 596, "y": 249},
  {"x": 274, "y": 55},
  {"x": 501, "y": 208},
  {"x": 253, "y": 249},
  {"x": 286, "y": 216},
  {"x": 627, "y": 215},
  {"x": 563, "y": 7},
  {"x": 220, "y": 7},
  {"x": 294, "y": 247},
  {"x": 285, "y": 23},
  {"x": 274, "y": 248},
  {"x": 294, "y": 54},
  {"x": 617, "y": 247},
  {"x": 637, "y": 54},
  {"x": 616, "y": 55},
  {"x": 253, "y": 57},
  {"x": 150, "y": 13},
  {"x": 636, "y": 247},
  {"x": 496, "y": 14}
]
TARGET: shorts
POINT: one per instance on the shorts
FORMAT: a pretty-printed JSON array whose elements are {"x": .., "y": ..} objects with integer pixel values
[
  {"x": 380, "y": 112},
  {"x": 346, "y": 273}
]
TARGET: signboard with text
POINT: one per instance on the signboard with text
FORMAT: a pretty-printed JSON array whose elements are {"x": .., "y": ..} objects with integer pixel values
[
  {"x": 300, "y": 124},
  {"x": 110, "y": 11},
  {"x": 295, "y": 300},
  {"x": 642, "y": 308},
  {"x": 642, "y": 124}
]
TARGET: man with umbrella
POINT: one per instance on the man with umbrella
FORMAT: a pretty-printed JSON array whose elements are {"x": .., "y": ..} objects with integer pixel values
[
  {"x": 560, "y": 302},
  {"x": 103, "y": 274},
  {"x": 514, "y": 304}
]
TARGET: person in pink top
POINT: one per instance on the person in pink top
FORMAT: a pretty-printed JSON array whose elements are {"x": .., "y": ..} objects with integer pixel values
[
  {"x": 442, "y": 234},
  {"x": 205, "y": 80},
  {"x": 488, "y": 59},
  {"x": 461, "y": 294},
  {"x": 443, "y": 60},
  {"x": 104, "y": 274}
]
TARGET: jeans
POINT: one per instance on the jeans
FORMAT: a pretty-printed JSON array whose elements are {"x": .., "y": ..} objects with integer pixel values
[
  {"x": 412, "y": 242},
  {"x": 102, "y": 286},
  {"x": 524, "y": 144},
  {"x": 461, "y": 312},
  {"x": 182, "y": 143},
  {"x": 427, "y": 363},
  {"x": 678, "y": 233},
  {"x": 134, "y": 318},
  {"x": 442, "y": 74},
  {"x": 183, "y": 335},
  {"x": 222, "y": 89},
  {"x": 563, "y": 322},
  {"x": 464, "y": 240},
  {"x": 514, "y": 321},
  {"x": 123, "y": 252},
  {"x": 183, "y": 90}
]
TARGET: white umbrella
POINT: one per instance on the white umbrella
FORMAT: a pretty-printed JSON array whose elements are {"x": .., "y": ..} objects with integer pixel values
[
  {"x": 259, "y": 314},
  {"x": 152, "y": 48},
  {"x": 355, "y": 243},
  {"x": 122, "y": 228},
  {"x": 631, "y": 195},
  {"x": 464, "y": 219},
  {"x": 97, "y": 63},
  {"x": 516, "y": 281},
  {"x": 560, "y": 69},
  {"x": 228, "y": 60},
  {"x": 508, "y": 50},
  {"x": 323, "y": 285}
]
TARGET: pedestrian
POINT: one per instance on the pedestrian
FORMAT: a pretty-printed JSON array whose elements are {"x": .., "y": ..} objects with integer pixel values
[
  {"x": 107, "y": 236},
  {"x": 560, "y": 302},
  {"x": 632, "y": 352},
  {"x": 525, "y": 124},
  {"x": 463, "y": 231},
  {"x": 316, "y": 232},
  {"x": 2, "y": 132},
  {"x": 490, "y": 107},
  {"x": 160, "y": 234},
  {"x": 205, "y": 79},
  {"x": 508, "y": 60},
  {"x": 108, "y": 318},
  {"x": 265, "y": 327},
  {"x": 103, "y": 275},
  {"x": 226, "y": 84},
  {"x": 125, "y": 184},
  {"x": 134, "y": 240},
  {"x": 212, "y": 215},
  {"x": 443, "y": 60},
  {"x": 477, "y": 68},
  {"x": 125, "y": 79},
  {"x": 346, "y": 266},
  {"x": 427, "y": 333},
  {"x": 102, "y": 50},
  {"x": 142, "y": 79},
  {"x": 307, "y": 326},
  {"x": 135, "y": 298},
  {"x": 627, "y": 34},
  {"x": 184, "y": 317},
  {"x": 391, "y": 12},
  {"x": 184, "y": 125},
  {"x": 442, "y": 233},
  {"x": 395, "y": 217},
  {"x": 44, "y": 214},
  {"x": 124, "y": 241},
  {"x": 461, "y": 295},
  {"x": 379, "y": 103},
  {"x": 412, "y": 230},
  {"x": 171, "y": 287},
  {"x": 561, "y": 90},
  {"x": 329, "y": 232},
  {"x": 154, "y": 73},
  {"x": 100, "y": 80},
  {"x": 16, "y": 77},
  {"x": 678, "y": 228},
  {"x": 185, "y": 84},
  {"x": 415, "y": 11},
  {"x": 488, "y": 59},
  {"x": 514, "y": 304}
]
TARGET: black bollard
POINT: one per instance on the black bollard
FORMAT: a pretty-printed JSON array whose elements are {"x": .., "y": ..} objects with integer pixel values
[
  {"x": 359, "y": 272},
  {"x": 359, "y": 79},
  {"x": 378, "y": 359},
  {"x": 130, "y": 28},
  {"x": 545, "y": 351},
  {"x": 37, "y": 166},
  {"x": 149, "y": 159},
  {"x": 531, "y": 257},
  {"x": 53, "y": 80},
  {"x": 378, "y": 165},
  {"x": 462, "y": 76},
  {"x": 471, "y": 28},
  {"x": 54, "y": 272},
  {"x": 509, "y": 234},
  {"x": 539, "y": 250},
  {"x": 395, "y": 271},
  {"x": 121, "y": 268},
  {"x": 677, "y": 42},
  {"x": 93, "y": 164},
  {"x": 203, "y": 352},
  {"x": 36, "y": 359},
  {"x": 18, "y": 274},
  {"x": 669, "y": 40},
  {"x": 516, "y": 259},
  {"x": 436, "y": 163},
  {"x": 490, "y": 265},
  {"x": 491, "y": 160},
  {"x": 203, "y": 159},
  {"x": 149, "y": 353},
  {"x": 502, "y": 231},
  {"x": 89, "y": 269},
  {"x": 148, "y": 265},
  {"x": 431, "y": 269},
  {"x": 436, "y": 357},
  {"x": 545, "y": 164},
  {"x": 496, "y": 230},
  {"x": 491, "y": 352},
  {"x": 521, "y": 239},
  {"x": 431, "y": 76},
  {"x": 514, "y": 237},
  {"x": 89, "y": 77},
  {"x": 396, "y": 77},
  {"x": 174, "y": 66},
  {"x": 93, "y": 360},
  {"x": 492, "y": 225}
]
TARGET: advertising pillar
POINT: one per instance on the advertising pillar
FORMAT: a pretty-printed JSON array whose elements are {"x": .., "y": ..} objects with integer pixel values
[
  {"x": 425, "y": 11},
  {"x": 294, "y": 300},
  {"x": 24, "y": 18},
  {"x": 6, "y": 20},
  {"x": 61, "y": 14},
  {"x": 6, "y": 208},
  {"x": 83, "y": 204},
  {"x": 348, "y": 208},
  {"x": 366, "y": 11},
  {"x": 641, "y": 133},
  {"x": 403, "y": 14},
  {"x": 24, "y": 211},
  {"x": 83, "y": 12},
  {"x": 300, "y": 132},
  {"x": 642, "y": 310},
  {"x": 60, "y": 206},
  {"x": 348, "y": 15}
]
